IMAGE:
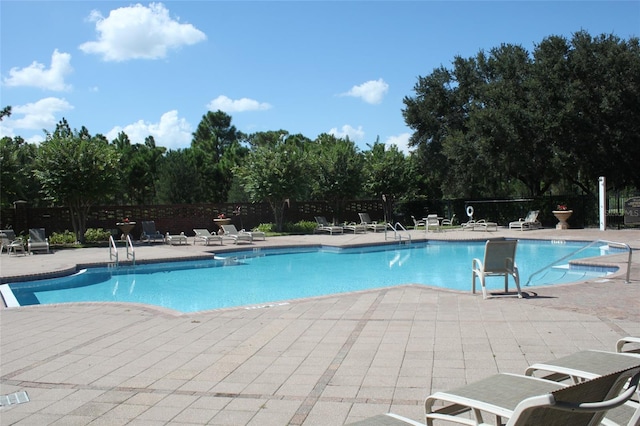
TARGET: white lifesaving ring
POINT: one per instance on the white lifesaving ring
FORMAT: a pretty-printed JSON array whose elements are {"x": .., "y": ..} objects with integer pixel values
[{"x": 470, "y": 211}]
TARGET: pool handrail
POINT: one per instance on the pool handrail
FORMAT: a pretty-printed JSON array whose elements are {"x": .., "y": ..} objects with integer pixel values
[
  {"x": 131, "y": 253},
  {"x": 591, "y": 244},
  {"x": 396, "y": 235},
  {"x": 113, "y": 250}
]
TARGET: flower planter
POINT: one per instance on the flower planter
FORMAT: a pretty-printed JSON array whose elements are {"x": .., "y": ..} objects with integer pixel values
[
  {"x": 562, "y": 216},
  {"x": 220, "y": 222},
  {"x": 125, "y": 228}
]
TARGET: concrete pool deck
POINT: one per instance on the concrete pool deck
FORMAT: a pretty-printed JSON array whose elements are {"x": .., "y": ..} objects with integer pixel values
[{"x": 321, "y": 361}]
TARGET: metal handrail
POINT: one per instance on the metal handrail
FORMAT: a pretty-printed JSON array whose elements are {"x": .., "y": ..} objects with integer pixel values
[
  {"x": 591, "y": 244},
  {"x": 113, "y": 250},
  {"x": 131, "y": 253},
  {"x": 396, "y": 235}
]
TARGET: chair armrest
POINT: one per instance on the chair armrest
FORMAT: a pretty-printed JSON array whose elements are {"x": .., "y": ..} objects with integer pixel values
[
  {"x": 629, "y": 339},
  {"x": 476, "y": 264}
]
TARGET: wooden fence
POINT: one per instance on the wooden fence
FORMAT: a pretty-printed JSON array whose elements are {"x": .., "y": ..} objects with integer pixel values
[
  {"x": 185, "y": 217},
  {"x": 179, "y": 217}
]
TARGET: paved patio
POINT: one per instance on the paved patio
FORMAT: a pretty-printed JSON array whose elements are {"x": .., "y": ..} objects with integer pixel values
[{"x": 321, "y": 361}]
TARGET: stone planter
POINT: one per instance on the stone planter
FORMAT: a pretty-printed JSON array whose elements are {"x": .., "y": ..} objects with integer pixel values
[{"x": 562, "y": 216}]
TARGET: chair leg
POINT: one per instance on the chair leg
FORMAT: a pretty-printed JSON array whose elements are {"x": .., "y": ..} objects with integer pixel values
[
  {"x": 484, "y": 287},
  {"x": 516, "y": 278}
]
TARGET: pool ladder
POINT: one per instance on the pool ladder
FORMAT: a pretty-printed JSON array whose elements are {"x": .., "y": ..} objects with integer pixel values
[
  {"x": 398, "y": 232},
  {"x": 609, "y": 244},
  {"x": 113, "y": 252}
]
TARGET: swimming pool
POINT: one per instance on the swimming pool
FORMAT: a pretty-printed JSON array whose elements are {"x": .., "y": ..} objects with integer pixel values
[{"x": 267, "y": 276}]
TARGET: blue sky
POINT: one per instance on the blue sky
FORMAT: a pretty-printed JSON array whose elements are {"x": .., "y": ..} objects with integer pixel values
[{"x": 307, "y": 67}]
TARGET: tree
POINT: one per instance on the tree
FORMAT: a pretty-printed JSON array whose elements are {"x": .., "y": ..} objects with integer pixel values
[
  {"x": 337, "y": 169},
  {"x": 16, "y": 163},
  {"x": 177, "y": 177},
  {"x": 385, "y": 171},
  {"x": 508, "y": 121},
  {"x": 275, "y": 173},
  {"x": 217, "y": 151},
  {"x": 138, "y": 166},
  {"x": 5, "y": 112},
  {"x": 604, "y": 113},
  {"x": 77, "y": 171}
]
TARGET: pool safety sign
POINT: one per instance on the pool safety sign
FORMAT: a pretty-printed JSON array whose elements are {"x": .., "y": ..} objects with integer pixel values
[{"x": 632, "y": 211}]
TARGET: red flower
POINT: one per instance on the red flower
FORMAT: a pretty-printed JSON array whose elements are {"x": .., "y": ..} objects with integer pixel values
[{"x": 562, "y": 207}]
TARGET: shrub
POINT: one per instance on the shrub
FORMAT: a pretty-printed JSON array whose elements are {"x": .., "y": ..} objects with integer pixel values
[
  {"x": 265, "y": 227},
  {"x": 302, "y": 227},
  {"x": 67, "y": 237},
  {"x": 93, "y": 235}
]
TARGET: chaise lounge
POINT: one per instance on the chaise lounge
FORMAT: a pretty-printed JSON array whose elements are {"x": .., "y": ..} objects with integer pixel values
[
  {"x": 149, "y": 232},
  {"x": 175, "y": 240},
  {"x": 324, "y": 226},
  {"x": 372, "y": 225},
  {"x": 232, "y": 233},
  {"x": 528, "y": 222},
  {"x": 206, "y": 237},
  {"x": 512, "y": 399}
]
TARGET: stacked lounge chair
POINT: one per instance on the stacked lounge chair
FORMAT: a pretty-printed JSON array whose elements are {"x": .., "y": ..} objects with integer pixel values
[{"x": 230, "y": 232}]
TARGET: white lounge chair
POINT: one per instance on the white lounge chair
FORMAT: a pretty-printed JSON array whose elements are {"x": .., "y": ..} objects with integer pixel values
[
  {"x": 515, "y": 400},
  {"x": 522, "y": 400},
  {"x": 469, "y": 225},
  {"x": 483, "y": 225},
  {"x": 355, "y": 227},
  {"x": 255, "y": 234},
  {"x": 324, "y": 226},
  {"x": 372, "y": 225},
  {"x": 232, "y": 233},
  {"x": 528, "y": 222},
  {"x": 37, "y": 240},
  {"x": 10, "y": 242},
  {"x": 499, "y": 260},
  {"x": 176, "y": 239},
  {"x": 587, "y": 365},
  {"x": 206, "y": 237}
]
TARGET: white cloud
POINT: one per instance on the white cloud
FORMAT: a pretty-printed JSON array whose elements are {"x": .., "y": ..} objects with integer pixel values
[
  {"x": 371, "y": 91},
  {"x": 401, "y": 141},
  {"x": 346, "y": 130},
  {"x": 139, "y": 32},
  {"x": 38, "y": 115},
  {"x": 36, "y": 74},
  {"x": 228, "y": 105},
  {"x": 172, "y": 132}
]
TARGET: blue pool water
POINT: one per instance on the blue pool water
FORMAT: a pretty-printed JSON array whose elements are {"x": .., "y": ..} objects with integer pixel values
[{"x": 263, "y": 276}]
